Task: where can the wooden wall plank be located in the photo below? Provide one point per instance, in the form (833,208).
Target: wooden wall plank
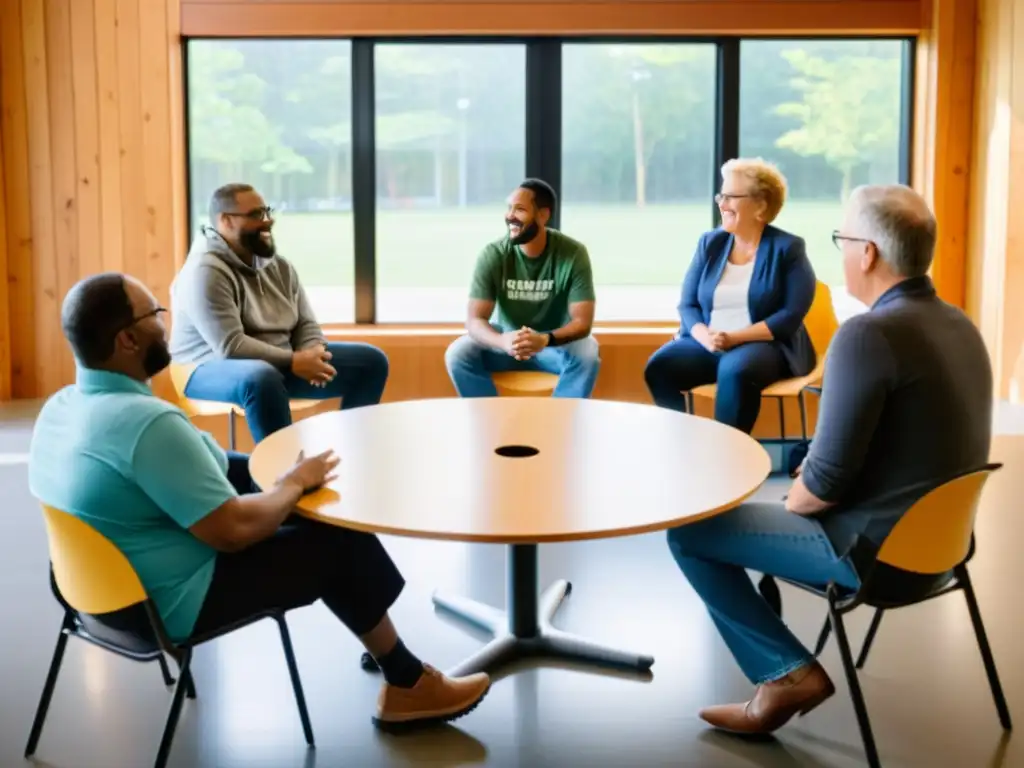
(178,170)
(5,326)
(45,287)
(108,87)
(60,70)
(129,63)
(758,17)
(19,206)
(87,137)
(156,136)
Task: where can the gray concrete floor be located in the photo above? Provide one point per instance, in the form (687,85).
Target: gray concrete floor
(924,683)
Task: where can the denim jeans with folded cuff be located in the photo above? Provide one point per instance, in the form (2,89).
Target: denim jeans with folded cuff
(714,554)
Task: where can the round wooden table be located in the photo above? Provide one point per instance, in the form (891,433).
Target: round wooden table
(519,471)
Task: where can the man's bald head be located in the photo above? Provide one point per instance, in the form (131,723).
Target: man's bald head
(898,221)
(112,322)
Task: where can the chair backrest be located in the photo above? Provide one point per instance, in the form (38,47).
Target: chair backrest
(934,535)
(180,374)
(821,321)
(92,574)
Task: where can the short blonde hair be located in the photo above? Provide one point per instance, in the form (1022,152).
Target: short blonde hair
(766,182)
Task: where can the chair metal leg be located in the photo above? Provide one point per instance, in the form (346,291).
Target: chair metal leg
(769,590)
(870,637)
(190,685)
(782,417)
(232,445)
(826,631)
(803,414)
(871,752)
(175,712)
(165,671)
(293,670)
(986,650)
(48,686)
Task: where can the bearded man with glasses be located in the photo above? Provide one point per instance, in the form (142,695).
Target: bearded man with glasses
(241,316)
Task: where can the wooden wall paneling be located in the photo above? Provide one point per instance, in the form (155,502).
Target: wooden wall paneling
(996,248)
(945,134)
(40,129)
(1011,342)
(108,87)
(87,138)
(19,207)
(63,125)
(129,63)
(753,17)
(176,120)
(5,327)
(158,263)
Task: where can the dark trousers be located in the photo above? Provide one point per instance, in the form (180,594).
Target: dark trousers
(304,561)
(741,374)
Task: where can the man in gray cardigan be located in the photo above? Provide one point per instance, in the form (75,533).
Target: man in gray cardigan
(906,406)
(241,316)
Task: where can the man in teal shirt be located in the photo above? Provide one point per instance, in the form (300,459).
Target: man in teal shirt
(209,548)
(531,304)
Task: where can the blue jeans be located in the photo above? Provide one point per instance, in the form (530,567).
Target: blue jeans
(470,365)
(264,390)
(713,555)
(740,374)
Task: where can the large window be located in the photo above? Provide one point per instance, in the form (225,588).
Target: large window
(277,114)
(638,148)
(828,113)
(450,135)
(389,162)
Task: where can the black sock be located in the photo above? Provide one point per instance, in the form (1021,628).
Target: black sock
(400,667)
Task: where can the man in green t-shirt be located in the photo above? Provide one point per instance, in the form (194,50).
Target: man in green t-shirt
(539,282)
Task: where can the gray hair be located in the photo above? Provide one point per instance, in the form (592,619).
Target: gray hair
(900,224)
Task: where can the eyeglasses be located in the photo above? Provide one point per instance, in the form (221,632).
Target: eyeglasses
(722,197)
(140,318)
(836,237)
(256,214)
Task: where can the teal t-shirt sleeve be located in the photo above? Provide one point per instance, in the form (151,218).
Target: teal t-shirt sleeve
(581,286)
(484,284)
(174,467)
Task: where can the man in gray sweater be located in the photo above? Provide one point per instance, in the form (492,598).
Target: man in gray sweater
(241,317)
(906,406)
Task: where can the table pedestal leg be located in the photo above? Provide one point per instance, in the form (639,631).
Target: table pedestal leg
(525,631)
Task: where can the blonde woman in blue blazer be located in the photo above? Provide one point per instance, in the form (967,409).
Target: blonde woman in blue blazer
(743,304)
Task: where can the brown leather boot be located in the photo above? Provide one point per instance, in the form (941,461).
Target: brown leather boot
(774,703)
(435,698)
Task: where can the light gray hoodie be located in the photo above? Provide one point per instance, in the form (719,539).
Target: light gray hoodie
(223,308)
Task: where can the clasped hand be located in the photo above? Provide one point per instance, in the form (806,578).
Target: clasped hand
(720,341)
(311,365)
(524,343)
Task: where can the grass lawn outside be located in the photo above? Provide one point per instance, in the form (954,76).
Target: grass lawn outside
(425,257)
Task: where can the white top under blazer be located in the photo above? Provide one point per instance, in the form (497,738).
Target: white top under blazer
(730,309)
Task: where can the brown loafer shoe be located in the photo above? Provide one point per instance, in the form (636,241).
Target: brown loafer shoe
(434,699)
(774,703)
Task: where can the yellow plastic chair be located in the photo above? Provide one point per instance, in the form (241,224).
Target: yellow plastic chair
(924,556)
(90,577)
(525,383)
(821,323)
(180,374)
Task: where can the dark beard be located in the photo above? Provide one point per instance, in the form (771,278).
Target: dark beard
(526,234)
(256,245)
(157,357)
